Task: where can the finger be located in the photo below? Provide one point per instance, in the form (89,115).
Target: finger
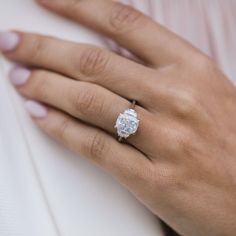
(122,161)
(129,27)
(85,63)
(88,102)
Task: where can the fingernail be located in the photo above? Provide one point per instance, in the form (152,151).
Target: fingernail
(36,110)
(8,41)
(19,76)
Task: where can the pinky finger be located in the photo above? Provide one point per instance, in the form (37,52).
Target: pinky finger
(121,160)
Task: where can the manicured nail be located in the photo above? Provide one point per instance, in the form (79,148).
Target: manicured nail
(8,41)
(36,110)
(19,76)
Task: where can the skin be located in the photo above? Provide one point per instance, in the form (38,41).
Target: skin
(182,161)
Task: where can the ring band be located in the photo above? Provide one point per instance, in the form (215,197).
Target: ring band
(127,122)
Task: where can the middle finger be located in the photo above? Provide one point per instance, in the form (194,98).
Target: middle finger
(85,63)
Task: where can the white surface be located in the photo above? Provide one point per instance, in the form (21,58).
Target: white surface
(44,189)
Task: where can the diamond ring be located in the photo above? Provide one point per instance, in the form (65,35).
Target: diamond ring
(127,123)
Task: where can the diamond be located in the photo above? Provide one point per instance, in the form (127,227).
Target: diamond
(127,123)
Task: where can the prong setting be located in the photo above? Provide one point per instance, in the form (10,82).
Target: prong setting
(127,123)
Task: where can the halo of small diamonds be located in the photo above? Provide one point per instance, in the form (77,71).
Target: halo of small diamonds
(127,123)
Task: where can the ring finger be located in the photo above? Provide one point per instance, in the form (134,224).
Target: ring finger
(88,102)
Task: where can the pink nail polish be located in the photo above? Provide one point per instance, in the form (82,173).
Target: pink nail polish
(36,110)
(8,41)
(19,76)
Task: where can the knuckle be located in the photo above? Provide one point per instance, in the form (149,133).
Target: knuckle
(62,129)
(87,102)
(38,45)
(186,104)
(97,146)
(84,102)
(39,84)
(125,18)
(201,64)
(93,61)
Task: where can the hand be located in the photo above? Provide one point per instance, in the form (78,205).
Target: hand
(182,161)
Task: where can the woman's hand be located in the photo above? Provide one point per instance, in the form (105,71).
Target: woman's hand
(181,163)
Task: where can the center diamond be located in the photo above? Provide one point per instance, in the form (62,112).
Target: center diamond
(127,123)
